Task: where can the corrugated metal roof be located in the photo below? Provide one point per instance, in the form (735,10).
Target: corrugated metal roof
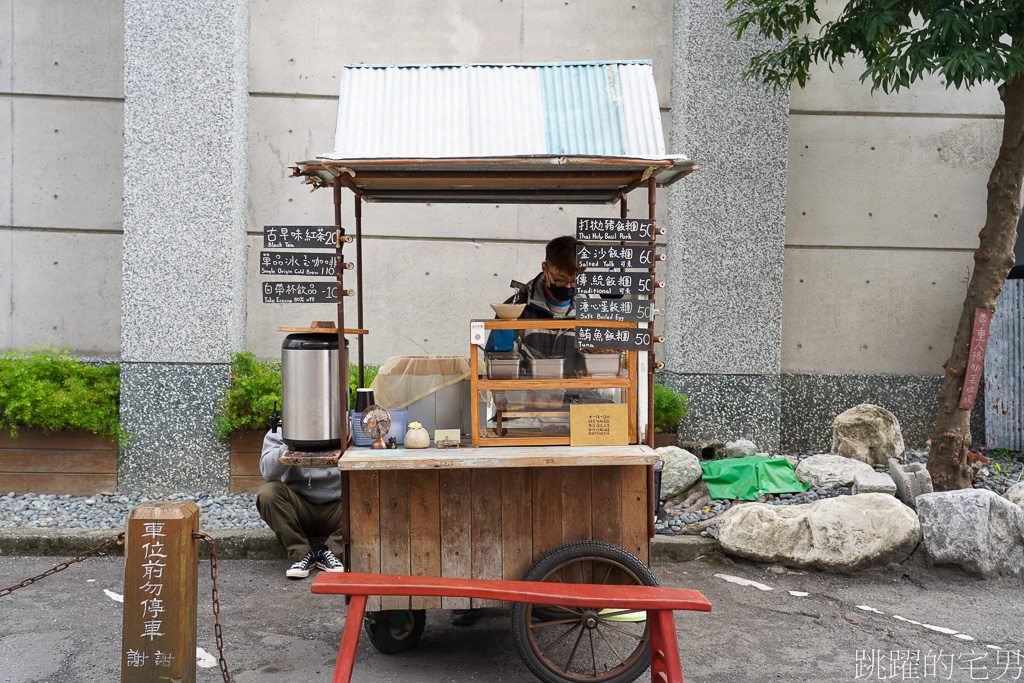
(438,111)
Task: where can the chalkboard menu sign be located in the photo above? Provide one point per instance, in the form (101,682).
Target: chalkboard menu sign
(613,256)
(619,310)
(304,263)
(299,236)
(300,292)
(614,283)
(614,229)
(613,338)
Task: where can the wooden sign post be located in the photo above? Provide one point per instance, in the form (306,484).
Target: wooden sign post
(161,578)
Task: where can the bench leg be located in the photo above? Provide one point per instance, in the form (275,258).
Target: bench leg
(665,664)
(350,640)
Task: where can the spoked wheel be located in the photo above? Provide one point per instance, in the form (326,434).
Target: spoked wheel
(394,631)
(575,644)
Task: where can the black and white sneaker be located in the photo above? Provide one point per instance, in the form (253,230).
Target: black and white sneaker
(328,561)
(300,569)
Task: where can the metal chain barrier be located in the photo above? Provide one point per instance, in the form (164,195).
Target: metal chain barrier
(119,539)
(216,603)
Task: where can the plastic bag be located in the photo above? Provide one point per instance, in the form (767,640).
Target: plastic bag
(403,380)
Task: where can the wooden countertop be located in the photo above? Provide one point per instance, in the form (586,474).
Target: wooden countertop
(471,458)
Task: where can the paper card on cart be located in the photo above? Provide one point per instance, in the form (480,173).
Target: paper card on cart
(601,424)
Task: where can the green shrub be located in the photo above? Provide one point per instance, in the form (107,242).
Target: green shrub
(45,388)
(255,386)
(669,408)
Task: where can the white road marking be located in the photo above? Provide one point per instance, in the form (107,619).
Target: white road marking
(205,659)
(116,597)
(993,647)
(798,594)
(90,580)
(744,582)
(870,609)
(962,636)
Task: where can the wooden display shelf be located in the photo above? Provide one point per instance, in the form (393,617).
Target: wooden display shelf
(569,383)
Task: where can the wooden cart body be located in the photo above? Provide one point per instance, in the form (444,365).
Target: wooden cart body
(489,513)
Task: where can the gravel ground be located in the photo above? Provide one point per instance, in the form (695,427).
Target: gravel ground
(238,510)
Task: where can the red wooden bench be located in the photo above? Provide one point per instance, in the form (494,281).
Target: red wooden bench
(657,602)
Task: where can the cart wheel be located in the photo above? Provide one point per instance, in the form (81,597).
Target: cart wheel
(574,644)
(394,631)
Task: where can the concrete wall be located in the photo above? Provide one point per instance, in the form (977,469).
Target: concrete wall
(61,164)
(428,269)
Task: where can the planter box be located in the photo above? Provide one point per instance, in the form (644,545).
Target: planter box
(75,463)
(665,439)
(245,462)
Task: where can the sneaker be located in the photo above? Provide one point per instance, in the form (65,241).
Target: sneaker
(300,569)
(327,561)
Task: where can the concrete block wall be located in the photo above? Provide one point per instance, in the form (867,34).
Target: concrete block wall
(61,167)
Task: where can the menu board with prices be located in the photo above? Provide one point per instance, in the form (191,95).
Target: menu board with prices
(614,283)
(618,310)
(613,338)
(614,256)
(299,236)
(614,229)
(304,263)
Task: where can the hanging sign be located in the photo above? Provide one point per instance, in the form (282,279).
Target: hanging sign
(613,338)
(615,229)
(300,292)
(615,256)
(299,236)
(614,283)
(620,310)
(976,359)
(305,263)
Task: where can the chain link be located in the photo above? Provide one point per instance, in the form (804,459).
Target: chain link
(216,603)
(119,539)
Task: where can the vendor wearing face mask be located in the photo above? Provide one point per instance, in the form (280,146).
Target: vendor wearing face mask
(549,295)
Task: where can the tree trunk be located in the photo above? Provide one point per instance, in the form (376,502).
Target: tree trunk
(948,461)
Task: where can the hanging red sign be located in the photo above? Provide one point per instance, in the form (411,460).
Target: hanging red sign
(976,359)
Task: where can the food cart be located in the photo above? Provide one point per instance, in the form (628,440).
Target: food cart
(542,504)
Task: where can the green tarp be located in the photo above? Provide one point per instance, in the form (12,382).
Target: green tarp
(750,478)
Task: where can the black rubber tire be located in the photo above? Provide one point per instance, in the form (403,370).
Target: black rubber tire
(394,631)
(569,563)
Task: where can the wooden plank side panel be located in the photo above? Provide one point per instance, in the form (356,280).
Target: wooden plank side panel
(425,531)
(606,503)
(58,461)
(58,483)
(487,543)
(245,464)
(63,441)
(394,532)
(364,513)
(516,523)
(634,511)
(247,442)
(237,484)
(576,516)
(456,531)
(547,509)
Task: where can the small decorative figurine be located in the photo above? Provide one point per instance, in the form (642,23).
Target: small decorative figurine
(417,436)
(393,443)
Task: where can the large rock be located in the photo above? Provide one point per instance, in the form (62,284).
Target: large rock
(873,482)
(830,471)
(868,433)
(973,529)
(911,480)
(682,470)
(1015,494)
(840,534)
(741,448)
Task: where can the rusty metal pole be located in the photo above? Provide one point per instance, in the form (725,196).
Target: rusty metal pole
(652,197)
(342,353)
(359,282)
(161,580)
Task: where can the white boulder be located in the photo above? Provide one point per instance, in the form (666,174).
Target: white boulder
(840,534)
(973,529)
(682,470)
(1015,494)
(829,471)
(741,448)
(868,433)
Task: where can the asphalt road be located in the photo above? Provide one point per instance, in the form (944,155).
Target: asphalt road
(921,624)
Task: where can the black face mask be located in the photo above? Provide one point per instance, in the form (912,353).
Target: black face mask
(561,293)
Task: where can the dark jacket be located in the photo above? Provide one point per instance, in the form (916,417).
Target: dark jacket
(559,343)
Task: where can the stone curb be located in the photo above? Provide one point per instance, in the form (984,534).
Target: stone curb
(260,544)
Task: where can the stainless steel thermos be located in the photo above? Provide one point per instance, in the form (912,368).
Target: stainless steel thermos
(310,396)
